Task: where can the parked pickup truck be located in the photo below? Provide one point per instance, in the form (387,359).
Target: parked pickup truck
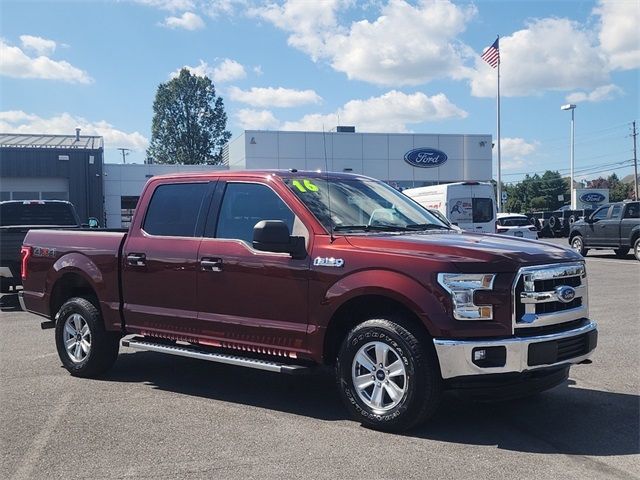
(285,271)
(614,226)
(16,218)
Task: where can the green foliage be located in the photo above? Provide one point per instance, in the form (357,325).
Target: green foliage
(537,193)
(618,191)
(189,122)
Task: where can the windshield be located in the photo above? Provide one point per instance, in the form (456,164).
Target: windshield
(357,204)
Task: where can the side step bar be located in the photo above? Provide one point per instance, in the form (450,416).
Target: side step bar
(192,352)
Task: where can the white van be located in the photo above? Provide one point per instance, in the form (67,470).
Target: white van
(469,205)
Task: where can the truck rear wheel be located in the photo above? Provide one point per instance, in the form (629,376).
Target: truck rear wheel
(387,377)
(85,348)
(636,248)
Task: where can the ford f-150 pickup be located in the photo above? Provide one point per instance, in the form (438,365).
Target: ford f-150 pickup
(286,271)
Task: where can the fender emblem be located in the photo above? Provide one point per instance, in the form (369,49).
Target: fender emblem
(328,262)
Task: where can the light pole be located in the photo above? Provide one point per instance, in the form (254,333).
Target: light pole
(571,107)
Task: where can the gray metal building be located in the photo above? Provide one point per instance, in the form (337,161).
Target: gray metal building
(54,167)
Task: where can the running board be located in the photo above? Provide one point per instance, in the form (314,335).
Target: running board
(184,351)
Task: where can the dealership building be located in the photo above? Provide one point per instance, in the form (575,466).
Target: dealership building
(72,167)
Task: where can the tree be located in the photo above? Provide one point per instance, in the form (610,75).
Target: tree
(537,193)
(189,122)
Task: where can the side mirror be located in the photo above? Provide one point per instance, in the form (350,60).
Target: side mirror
(274,236)
(93,222)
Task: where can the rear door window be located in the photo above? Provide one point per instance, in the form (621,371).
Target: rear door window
(615,212)
(482,210)
(632,211)
(174,210)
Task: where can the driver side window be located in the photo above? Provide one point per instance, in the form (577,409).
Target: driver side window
(244,205)
(601,214)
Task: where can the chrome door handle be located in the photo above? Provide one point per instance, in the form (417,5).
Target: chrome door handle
(137,259)
(211,264)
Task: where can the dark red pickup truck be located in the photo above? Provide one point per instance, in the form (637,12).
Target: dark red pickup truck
(285,271)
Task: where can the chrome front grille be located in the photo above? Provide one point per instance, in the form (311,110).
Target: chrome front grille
(548,295)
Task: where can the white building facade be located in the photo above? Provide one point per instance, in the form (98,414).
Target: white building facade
(402,160)
(378,155)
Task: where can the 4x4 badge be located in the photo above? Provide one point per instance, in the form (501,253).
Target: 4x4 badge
(328,262)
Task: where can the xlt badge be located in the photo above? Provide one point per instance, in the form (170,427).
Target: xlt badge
(328,262)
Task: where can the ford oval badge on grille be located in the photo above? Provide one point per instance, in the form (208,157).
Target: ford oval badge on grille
(565,293)
(425,157)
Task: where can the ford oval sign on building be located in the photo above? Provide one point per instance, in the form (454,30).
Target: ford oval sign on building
(592,197)
(425,157)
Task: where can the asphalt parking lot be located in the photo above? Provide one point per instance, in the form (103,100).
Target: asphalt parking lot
(157,416)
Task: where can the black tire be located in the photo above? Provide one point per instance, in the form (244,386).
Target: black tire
(422,384)
(636,248)
(552,222)
(577,244)
(103,345)
(572,219)
(621,252)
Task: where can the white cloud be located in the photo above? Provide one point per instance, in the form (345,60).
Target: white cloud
(310,23)
(170,5)
(249,119)
(620,32)
(226,71)
(15,121)
(39,45)
(258,70)
(514,152)
(605,92)
(15,63)
(274,97)
(188,21)
(406,45)
(391,112)
(550,54)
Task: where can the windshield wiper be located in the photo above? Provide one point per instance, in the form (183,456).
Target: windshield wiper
(369,228)
(426,226)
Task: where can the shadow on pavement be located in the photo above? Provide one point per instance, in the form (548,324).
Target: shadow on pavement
(565,420)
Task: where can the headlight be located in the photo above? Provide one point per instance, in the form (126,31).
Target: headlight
(461,287)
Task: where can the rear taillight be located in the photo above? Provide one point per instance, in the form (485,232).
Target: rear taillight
(533,229)
(25,253)
(502,230)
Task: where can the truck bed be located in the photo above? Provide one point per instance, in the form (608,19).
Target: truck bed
(63,252)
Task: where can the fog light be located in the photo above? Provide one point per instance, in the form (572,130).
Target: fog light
(479,355)
(489,357)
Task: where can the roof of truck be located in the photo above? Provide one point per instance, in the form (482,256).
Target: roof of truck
(291,173)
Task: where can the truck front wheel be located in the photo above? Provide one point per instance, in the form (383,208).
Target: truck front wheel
(578,245)
(387,377)
(636,248)
(85,348)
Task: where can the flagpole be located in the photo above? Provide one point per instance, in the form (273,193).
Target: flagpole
(498,131)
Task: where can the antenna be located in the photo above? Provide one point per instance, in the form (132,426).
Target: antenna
(326,172)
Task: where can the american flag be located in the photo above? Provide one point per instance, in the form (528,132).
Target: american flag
(492,54)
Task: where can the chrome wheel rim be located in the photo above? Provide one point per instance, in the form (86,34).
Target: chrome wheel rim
(379,376)
(77,337)
(577,245)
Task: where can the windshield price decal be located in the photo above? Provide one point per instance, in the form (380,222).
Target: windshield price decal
(305,185)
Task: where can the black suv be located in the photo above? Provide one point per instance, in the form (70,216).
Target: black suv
(614,226)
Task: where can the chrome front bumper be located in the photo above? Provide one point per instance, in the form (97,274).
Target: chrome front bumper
(456,356)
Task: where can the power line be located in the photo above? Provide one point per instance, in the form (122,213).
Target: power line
(585,167)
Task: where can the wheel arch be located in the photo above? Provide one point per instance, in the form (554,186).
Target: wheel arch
(361,308)
(68,285)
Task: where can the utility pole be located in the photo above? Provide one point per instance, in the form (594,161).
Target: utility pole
(635,161)
(125,152)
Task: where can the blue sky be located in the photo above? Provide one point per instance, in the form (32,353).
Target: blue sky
(383,66)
